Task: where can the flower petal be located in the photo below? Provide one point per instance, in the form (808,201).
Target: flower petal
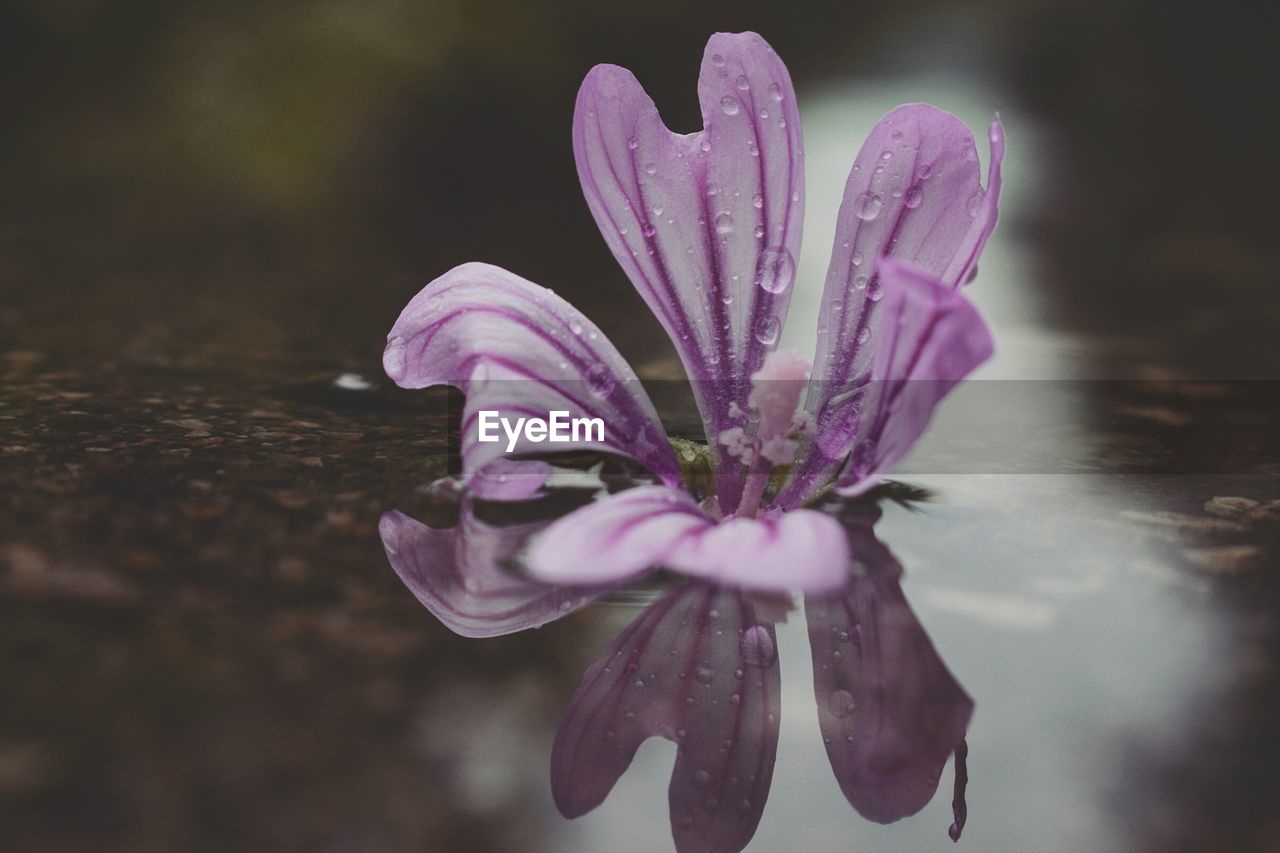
(654,526)
(517,348)
(889,710)
(802,549)
(914,195)
(698,667)
(615,538)
(931,338)
(706,225)
(509,479)
(457,574)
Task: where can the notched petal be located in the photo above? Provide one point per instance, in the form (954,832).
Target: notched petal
(706,225)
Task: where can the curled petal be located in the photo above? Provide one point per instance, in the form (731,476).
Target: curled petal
(654,526)
(706,225)
(698,667)
(615,538)
(457,574)
(889,711)
(801,549)
(931,338)
(914,196)
(518,349)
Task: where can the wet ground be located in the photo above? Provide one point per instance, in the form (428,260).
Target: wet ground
(210,221)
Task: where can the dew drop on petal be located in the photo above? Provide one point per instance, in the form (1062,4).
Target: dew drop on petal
(913,197)
(975,202)
(757,200)
(842,703)
(775,91)
(730,105)
(756,646)
(651,168)
(633,143)
(742,83)
(874,291)
(896,136)
(724,223)
(776,271)
(600,380)
(767,330)
(867,206)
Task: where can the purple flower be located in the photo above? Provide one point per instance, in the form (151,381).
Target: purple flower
(707,227)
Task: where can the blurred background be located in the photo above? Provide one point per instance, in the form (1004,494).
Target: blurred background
(210,215)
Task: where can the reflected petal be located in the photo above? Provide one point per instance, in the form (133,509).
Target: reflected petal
(699,668)
(457,573)
(706,225)
(889,710)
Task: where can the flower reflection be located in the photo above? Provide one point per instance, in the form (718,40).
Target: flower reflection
(699,667)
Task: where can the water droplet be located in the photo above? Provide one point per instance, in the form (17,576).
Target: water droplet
(757,200)
(651,168)
(730,105)
(768,328)
(717,59)
(913,197)
(855,258)
(742,83)
(842,703)
(393,359)
(975,203)
(600,380)
(648,229)
(775,91)
(874,291)
(704,675)
(724,223)
(701,779)
(925,171)
(867,206)
(886,155)
(864,335)
(575,325)
(639,684)
(657,210)
(633,143)
(757,647)
(896,136)
(735,699)
(860,282)
(706,145)
(776,271)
